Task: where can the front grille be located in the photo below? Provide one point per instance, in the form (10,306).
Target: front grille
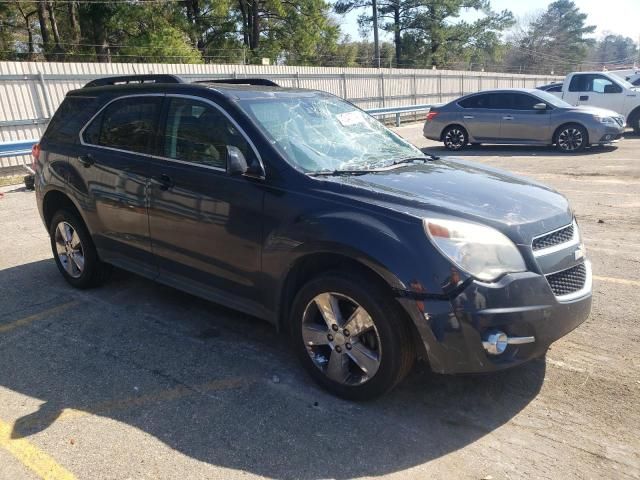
(568,281)
(619,121)
(554,238)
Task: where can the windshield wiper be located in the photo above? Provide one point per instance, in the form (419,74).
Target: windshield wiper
(427,158)
(339,173)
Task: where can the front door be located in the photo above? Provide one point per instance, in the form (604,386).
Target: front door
(205,224)
(521,123)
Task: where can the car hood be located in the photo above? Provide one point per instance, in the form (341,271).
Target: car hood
(519,207)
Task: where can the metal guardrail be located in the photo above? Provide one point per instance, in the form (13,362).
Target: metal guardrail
(398,111)
(14,149)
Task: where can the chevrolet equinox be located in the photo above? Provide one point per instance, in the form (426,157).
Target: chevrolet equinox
(294,206)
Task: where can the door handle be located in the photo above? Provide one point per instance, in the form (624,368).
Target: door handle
(468,117)
(507,117)
(584,98)
(87,160)
(165,181)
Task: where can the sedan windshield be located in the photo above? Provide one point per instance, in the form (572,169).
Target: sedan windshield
(320,132)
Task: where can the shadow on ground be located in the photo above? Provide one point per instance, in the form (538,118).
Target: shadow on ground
(222,387)
(514,151)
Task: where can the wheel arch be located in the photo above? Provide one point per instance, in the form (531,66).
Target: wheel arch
(454,124)
(55,200)
(634,116)
(556,132)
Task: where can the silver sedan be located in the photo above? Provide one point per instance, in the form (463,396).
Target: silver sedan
(521,116)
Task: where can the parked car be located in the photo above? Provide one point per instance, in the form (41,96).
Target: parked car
(551,88)
(297,207)
(521,116)
(604,90)
(634,80)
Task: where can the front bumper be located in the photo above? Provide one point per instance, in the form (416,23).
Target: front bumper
(520,305)
(603,134)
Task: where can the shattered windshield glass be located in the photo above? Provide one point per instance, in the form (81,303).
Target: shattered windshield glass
(323,133)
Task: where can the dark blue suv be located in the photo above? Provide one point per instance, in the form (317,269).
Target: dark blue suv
(297,207)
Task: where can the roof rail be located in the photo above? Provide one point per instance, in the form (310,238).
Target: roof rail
(241,81)
(124,79)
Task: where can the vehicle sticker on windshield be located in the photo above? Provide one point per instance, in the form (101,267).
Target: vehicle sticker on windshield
(348,119)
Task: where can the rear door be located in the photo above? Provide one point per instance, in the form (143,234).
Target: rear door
(205,225)
(109,176)
(479,118)
(521,123)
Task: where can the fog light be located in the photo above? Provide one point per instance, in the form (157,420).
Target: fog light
(607,137)
(495,342)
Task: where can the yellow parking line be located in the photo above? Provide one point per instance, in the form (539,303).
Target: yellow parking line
(31,456)
(622,281)
(36,316)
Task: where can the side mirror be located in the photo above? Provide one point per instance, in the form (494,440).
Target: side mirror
(540,106)
(236,161)
(237,164)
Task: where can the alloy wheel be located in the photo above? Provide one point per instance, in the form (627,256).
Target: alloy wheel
(69,249)
(454,139)
(570,139)
(341,338)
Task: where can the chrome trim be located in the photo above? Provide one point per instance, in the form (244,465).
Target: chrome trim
(158,157)
(520,340)
(584,291)
(561,246)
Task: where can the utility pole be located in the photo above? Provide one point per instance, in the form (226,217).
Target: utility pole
(376,45)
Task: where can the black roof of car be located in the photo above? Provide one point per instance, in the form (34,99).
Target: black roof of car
(239,88)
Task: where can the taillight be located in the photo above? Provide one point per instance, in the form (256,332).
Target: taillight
(35,153)
(431,116)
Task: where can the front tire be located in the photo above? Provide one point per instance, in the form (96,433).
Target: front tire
(455,138)
(351,336)
(74,252)
(571,138)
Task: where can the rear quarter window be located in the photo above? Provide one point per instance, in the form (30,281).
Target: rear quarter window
(70,117)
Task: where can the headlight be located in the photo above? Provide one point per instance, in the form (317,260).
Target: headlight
(605,120)
(481,251)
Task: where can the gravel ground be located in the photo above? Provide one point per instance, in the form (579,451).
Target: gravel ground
(138,381)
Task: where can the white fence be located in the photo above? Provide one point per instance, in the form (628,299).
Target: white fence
(30,92)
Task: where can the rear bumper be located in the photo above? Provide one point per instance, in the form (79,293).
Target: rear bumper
(521,305)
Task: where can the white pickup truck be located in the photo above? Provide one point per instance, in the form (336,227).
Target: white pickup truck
(604,90)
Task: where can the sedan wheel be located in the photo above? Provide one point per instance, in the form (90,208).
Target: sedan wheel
(571,139)
(69,249)
(455,138)
(341,339)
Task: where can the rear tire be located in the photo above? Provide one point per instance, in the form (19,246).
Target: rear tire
(455,138)
(357,356)
(571,138)
(634,122)
(74,251)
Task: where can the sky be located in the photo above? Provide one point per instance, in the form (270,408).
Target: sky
(616,16)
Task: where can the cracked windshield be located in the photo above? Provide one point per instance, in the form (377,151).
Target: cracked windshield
(323,133)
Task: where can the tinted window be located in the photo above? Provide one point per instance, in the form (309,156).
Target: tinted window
(557,88)
(126,124)
(199,133)
(593,83)
(636,82)
(477,101)
(521,101)
(69,119)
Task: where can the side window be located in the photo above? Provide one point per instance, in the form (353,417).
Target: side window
(636,82)
(199,133)
(70,117)
(126,124)
(476,101)
(500,101)
(580,83)
(522,101)
(604,85)
(557,88)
